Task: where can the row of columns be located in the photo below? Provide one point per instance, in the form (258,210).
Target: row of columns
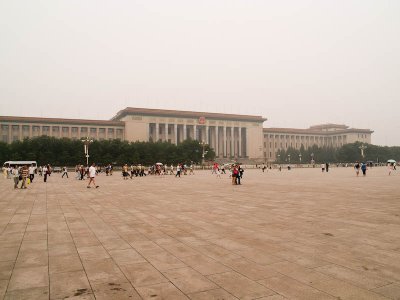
(205,136)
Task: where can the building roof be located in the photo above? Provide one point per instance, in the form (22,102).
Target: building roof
(311,130)
(185,114)
(60,121)
(329,126)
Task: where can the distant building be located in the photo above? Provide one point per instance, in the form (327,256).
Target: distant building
(325,135)
(231,136)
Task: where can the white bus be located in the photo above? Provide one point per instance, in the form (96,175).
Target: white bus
(20,163)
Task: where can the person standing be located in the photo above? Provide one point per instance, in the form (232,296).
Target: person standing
(31,171)
(327,167)
(65,172)
(92,176)
(323,167)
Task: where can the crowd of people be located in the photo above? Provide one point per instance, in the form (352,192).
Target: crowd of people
(24,175)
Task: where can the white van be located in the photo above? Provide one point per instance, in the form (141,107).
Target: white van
(20,163)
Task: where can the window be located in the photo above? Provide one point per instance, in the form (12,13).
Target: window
(83,130)
(25,128)
(4,127)
(74,129)
(93,130)
(35,128)
(270,154)
(56,129)
(102,130)
(265,145)
(15,127)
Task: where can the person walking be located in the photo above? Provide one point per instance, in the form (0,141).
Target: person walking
(92,176)
(357,168)
(178,170)
(65,172)
(24,174)
(390,168)
(45,171)
(15,175)
(364,168)
(125,173)
(31,171)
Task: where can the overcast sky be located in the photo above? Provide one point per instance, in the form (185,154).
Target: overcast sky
(297,63)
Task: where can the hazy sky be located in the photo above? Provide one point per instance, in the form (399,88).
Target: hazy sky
(297,63)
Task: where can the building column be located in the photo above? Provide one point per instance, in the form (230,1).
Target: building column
(30,131)
(166,132)
(240,141)
(184,132)
(9,134)
(176,133)
(195,132)
(224,140)
(157,131)
(207,136)
(216,141)
(232,141)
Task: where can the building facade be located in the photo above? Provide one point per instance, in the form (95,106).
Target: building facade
(231,136)
(325,135)
(18,128)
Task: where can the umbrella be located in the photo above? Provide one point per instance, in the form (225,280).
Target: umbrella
(392,161)
(160,164)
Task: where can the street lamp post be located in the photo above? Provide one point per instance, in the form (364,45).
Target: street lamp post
(288,158)
(203,154)
(300,157)
(86,142)
(362,148)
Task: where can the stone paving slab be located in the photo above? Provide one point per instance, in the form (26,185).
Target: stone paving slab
(299,234)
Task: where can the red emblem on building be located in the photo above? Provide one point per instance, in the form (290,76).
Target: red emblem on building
(202,120)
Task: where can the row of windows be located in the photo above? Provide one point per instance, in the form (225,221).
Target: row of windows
(56,129)
(302,137)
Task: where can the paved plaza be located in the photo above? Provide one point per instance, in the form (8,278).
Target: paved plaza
(299,234)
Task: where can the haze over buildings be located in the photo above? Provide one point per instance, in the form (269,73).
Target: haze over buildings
(298,63)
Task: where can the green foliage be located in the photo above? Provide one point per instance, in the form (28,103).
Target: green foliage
(70,152)
(345,154)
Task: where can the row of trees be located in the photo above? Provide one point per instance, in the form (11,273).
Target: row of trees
(345,154)
(71,152)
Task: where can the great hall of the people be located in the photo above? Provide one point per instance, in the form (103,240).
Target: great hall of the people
(230,135)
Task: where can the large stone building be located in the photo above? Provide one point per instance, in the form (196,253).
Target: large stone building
(230,135)
(325,135)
